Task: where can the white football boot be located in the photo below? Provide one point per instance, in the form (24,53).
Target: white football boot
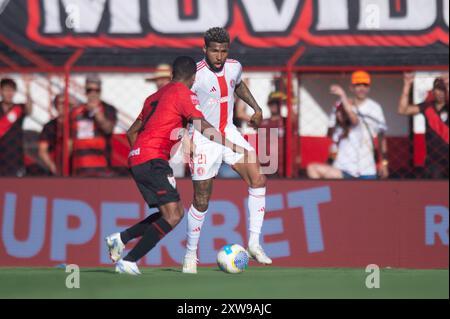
(115,246)
(258,254)
(190,264)
(127,267)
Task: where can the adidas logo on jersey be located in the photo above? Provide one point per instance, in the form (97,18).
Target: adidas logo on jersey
(213,90)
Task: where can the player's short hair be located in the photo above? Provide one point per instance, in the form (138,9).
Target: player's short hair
(184,67)
(219,35)
(8,82)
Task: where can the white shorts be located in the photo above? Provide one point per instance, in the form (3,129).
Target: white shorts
(209,156)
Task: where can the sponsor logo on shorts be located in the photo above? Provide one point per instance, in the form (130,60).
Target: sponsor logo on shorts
(135,152)
(172,181)
(3,4)
(232,83)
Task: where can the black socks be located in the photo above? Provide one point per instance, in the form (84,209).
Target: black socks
(152,235)
(138,229)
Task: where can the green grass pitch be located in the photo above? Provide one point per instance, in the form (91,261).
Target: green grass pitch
(210,283)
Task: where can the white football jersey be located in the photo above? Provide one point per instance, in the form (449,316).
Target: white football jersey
(216,92)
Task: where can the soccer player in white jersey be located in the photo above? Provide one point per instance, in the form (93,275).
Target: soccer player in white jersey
(218,79)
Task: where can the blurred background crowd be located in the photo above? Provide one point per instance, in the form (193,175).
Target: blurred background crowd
(351,125)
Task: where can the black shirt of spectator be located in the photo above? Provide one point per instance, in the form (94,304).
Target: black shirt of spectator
(11,141)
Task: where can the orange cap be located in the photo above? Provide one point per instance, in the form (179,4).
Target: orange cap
(361,77)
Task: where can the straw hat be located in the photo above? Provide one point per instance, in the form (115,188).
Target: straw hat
(162,71)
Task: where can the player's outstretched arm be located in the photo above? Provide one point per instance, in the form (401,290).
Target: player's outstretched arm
(243,92)
(133,132)
(211,133)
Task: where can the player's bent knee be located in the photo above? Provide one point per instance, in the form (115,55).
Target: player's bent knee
(311,170)
(259,182)
(201,202)
(175,218)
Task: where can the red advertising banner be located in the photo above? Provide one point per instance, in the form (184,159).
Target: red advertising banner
(45,222)
(333,32)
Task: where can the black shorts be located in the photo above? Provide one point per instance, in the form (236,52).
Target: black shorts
(156,182)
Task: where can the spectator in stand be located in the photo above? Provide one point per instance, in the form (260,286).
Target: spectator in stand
(162,76)
(11,131)
(276,121)
(435,111)
(92,125)
(355,124)
(50,146)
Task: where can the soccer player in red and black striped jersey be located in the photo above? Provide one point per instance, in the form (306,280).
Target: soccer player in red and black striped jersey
(11,131)
(435,111)
(151,139)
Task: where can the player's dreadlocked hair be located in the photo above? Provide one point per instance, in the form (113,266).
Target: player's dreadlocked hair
(219,35)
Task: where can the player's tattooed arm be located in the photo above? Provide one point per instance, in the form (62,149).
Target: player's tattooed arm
(243,92)
(133,132)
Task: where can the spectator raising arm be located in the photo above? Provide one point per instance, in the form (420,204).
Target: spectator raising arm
(383,170)
(339,91)
(29,102)
(106,125)
(404,106)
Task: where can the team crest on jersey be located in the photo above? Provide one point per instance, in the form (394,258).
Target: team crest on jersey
(232,84)
(195,100)
(135,152)
(172,181)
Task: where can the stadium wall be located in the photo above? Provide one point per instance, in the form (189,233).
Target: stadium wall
(46,222)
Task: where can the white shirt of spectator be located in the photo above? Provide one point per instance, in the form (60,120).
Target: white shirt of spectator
(355,154)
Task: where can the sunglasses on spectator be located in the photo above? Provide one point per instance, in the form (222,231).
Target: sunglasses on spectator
(90,90)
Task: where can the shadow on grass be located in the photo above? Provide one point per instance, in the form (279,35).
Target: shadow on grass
(174,270)
(104,271)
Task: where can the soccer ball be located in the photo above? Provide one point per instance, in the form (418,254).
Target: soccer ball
(232,259)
